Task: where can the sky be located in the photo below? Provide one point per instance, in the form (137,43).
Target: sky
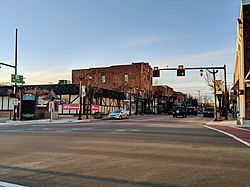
(56,36)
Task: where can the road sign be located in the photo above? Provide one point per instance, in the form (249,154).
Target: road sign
(83,91)
(17,78)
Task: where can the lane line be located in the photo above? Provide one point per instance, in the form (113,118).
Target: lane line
(121,130)
(228,134)
(7,184)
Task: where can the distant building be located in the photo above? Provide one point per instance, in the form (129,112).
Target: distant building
(164,97)
(242,65)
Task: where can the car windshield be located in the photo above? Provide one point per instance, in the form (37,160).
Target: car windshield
(116,111)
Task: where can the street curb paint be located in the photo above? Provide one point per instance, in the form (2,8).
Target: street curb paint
(228,134)
(6,184)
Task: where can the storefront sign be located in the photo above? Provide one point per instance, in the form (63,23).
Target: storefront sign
(95,107)
(74,106)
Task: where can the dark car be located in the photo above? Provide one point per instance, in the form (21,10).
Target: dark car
(208,112)
(179,111)
(191,111)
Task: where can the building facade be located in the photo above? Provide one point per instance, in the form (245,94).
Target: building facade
(134,79)
(242,65)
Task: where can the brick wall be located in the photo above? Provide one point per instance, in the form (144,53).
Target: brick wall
(246,30)
(139,76)
(163,90)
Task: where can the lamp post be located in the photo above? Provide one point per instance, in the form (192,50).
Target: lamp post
(88,94)
(130,101)
(80,94)
(81,78)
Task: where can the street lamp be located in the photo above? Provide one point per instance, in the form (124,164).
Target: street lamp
(130,100)
(88,91)
(81,95)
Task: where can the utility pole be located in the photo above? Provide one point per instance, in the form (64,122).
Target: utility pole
(225,94)
(15,88)
(215,106)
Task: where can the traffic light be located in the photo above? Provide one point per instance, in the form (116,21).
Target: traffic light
(156,72)
(180,71)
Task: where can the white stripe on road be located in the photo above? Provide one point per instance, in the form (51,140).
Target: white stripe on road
(127,130)
(7,184)
(121,130)
(228,134)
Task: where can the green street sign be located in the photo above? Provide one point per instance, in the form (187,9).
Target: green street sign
(17,79)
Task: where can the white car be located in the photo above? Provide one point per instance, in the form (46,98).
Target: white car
(118,114)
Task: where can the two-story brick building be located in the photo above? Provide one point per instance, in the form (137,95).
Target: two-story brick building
(135,79)
(242,64)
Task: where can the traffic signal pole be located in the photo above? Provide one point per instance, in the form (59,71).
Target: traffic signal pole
(213,68)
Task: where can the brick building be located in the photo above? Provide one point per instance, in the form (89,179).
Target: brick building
(120,77)
(135,79)
(242,64)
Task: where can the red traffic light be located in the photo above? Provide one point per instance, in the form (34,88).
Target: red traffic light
(180,67)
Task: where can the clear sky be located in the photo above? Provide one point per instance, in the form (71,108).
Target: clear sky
(56,36)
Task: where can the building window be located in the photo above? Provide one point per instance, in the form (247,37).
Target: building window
(126,77)
(103,78)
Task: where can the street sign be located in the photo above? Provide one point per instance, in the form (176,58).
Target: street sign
(74,106)
(17,78)
(15,102)
(83,91)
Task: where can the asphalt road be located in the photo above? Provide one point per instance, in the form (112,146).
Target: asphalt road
(143,151)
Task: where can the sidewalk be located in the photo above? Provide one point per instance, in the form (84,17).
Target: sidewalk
(230,128)
(62,119)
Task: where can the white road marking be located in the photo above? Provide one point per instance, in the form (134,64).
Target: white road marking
(228,134)
(88,128)
(127,130)
(7,184)
(135,130)
(240,128)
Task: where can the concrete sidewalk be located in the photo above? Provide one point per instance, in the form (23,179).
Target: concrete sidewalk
(43,121)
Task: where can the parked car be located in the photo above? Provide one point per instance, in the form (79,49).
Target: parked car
(179,111)
(118,114)
(208,112)
(191,111)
